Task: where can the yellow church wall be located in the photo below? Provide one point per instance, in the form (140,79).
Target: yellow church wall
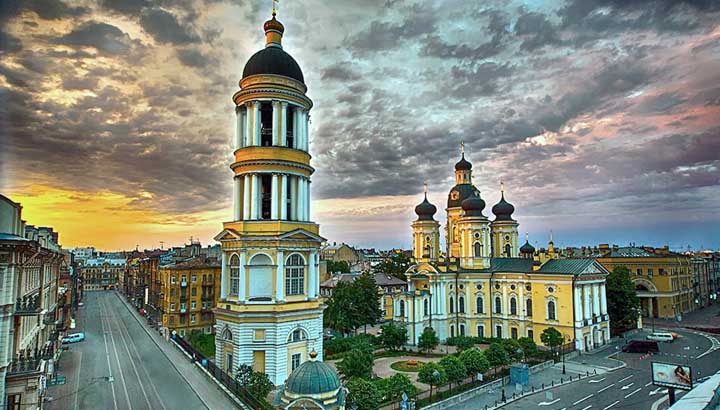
(270,227)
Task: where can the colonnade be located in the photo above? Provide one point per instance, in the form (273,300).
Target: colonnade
(285,189)
(589,300)
(249,130)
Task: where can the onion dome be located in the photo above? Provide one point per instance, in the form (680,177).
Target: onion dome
(503,210)
(463,164)
(273,59)
(527,249)
(473,206)
(459,193)
(425,211)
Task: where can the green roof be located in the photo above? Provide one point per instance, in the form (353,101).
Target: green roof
(312,377)
(570,266)
(511,265)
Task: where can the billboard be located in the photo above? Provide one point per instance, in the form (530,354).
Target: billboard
(672,375)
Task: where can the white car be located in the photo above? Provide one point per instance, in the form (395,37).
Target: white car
(661,337)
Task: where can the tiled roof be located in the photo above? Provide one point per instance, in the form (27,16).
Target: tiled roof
(569,266)
(512,265)
(381,279)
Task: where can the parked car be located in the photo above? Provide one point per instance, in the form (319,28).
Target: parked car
(74,337)
(641,346)
(661,337)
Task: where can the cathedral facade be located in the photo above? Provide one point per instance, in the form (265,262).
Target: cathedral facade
(269,315)
(485,284)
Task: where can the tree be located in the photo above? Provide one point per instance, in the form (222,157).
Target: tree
(454,368)
(551,338)
(363,395)
(622,301)
(243,374)
(338,267)
(398,384)
(393,336)
(528,346)
(259,385)
(432,374)
(395,265)
(463,342)
(356,363)
(496,356)
(428,340)
(367,292)
(344,311)
(475,361)
(512,348)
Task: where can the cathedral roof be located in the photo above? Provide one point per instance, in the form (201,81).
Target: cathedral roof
(425,210)
(312,377)
(463,164)
(527,248)
(473,205)
(273,60)
(503,210)
(459,193)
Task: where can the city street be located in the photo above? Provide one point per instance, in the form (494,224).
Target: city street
(630,387)
(119,366)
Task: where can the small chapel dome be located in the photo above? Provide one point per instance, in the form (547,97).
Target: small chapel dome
(273,59)
(474,205)
(503,210)
(425,210)
(463,164)
(313,382)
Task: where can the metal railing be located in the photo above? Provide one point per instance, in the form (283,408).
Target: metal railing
(27,305)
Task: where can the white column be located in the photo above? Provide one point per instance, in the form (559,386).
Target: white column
(274,197)
(280,277)
(301,130)
(296,124)
(301,199)
(313,280)
(256,123)
(249,115)
(505,306)
(283,124)
(603,300)
(596,299)
(236,199)
(293,197)
(243,280)
(246,197)
(283,197)
(586,301)
(577,303)
(223,277)
(254,195)
(306,132)
(238,128)
(275,122)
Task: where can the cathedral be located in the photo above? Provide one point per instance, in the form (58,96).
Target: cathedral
(485,284)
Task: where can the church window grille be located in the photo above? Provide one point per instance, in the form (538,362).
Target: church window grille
(234,275)
(295,276)
(297,335)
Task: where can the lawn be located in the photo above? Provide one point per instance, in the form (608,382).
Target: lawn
(202,342)
(404,366)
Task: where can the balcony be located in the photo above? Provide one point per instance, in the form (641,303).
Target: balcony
(28,306)
(26,363)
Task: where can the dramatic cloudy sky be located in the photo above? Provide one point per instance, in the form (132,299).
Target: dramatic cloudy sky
(602,116)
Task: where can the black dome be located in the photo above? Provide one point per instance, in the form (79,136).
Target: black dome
(473,206)
(527,248)
(425,211)
(273,60)
(503,210)
(463,164)
(460,193)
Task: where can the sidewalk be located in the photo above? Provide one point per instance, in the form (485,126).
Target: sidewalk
(707,317)
(64,396)
(208,392)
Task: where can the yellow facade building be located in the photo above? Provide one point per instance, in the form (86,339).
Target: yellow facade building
(489,286)
(269,315)
(189,292)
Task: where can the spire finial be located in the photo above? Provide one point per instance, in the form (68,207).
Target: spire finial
(274,7)
(462,147)
(551,236)
(425,189)
(502,186)
(527,237)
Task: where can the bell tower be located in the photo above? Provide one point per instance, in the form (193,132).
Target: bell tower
(269,315)
(426,232)
(504,228)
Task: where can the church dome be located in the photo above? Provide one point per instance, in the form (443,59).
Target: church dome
(459,193)
(425,211)
(273,59)
(527,248)
(473,206)
(463,164)
(503,210)
(312,378)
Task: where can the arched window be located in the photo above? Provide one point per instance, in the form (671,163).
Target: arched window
(295,275)
(452,304)
(480,305)
(498,304)
(426,307)
(227,334)
(513,306)
(297,335)
(462,330)
(528,307)
(551,310)
(478,250)
(507,250)
(452,331)
(402,308)
(461,304)
(234,275)
(498,331)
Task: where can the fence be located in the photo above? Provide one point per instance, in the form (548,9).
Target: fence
(221,376)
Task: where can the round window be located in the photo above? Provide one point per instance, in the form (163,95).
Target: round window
(497,286)
(477,235)
(479,287)
(527,287)
(462,287)
(551,289)
(507,237)
(451,286)
(512,287)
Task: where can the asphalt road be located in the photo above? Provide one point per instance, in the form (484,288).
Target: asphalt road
(120,367)
(630,387)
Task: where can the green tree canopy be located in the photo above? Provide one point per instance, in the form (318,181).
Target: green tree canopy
(551,338)
(622,301)
(367,292)
(512,348)
(395,265)
(428,340)
(475,361)
(454,368)
(243,373)
(363,395)
(353,304)
(396,385)
(528,346)
(393,336)
(432,374)
(356,363)
(259,385)
(496,355)
(338,267)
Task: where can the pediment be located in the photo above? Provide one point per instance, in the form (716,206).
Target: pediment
(302,235)
(227,235)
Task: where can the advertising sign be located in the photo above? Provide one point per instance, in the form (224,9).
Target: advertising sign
(672,375)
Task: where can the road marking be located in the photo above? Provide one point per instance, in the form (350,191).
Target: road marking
(627,386)
(107,356)
(605,388)
(648,383)
(633,392)
(77,385)
(582,400)
(616,402)
(586,408)
(625,378)
(103,313)
(597,381)
(658,390)
(548,403)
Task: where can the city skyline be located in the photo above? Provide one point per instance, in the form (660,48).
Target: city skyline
(117,123)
